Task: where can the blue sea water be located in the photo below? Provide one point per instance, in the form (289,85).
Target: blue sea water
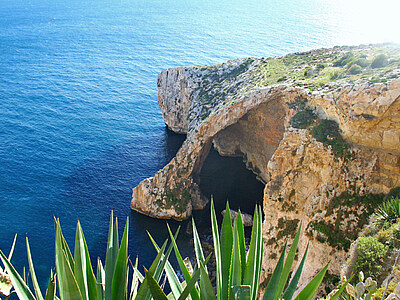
(79,120)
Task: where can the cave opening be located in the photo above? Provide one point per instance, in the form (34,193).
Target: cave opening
(226,178)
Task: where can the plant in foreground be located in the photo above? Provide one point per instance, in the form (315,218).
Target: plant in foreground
(75,276)
(237,272)
(388,212)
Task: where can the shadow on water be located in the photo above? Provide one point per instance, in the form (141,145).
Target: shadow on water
(227,179)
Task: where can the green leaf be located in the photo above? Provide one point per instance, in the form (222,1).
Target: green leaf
(217,249)
(120,274)
(240,292)
(236,259)
(111,255)
(135,280)
(12,247)
(176,286)
(22,290)
(67,284)
(144,287)
(197,245)
(341,289)
(100,277)
(311,288)
(51,287)
(190,285)
(272,288)
(155,289)
(254,257)
(83,270)
(206,288)
(288,264)
(226,253)
(259,254)
(164,259)
(242,244)
(185,272)
(64,244)
(36,287)
(295,280)
(250,271)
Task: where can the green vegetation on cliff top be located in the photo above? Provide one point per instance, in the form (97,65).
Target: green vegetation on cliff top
(314,69)
(322,70)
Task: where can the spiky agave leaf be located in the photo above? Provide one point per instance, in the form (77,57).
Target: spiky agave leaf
(217,249)
(111,255)
(226,244)
(120,276)
(21,288)
(388,212)
(194,293)
(35,283)
(67,285)
(51,287)
(254,256)
(83,270)
(175,284)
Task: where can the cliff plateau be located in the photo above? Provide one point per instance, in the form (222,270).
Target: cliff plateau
(320,129)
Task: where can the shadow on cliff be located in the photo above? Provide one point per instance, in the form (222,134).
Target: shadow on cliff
(226,178)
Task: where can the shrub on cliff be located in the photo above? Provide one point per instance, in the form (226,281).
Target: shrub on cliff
(344,60)
(362,62)
(370,255)
(379,61)
(354,70)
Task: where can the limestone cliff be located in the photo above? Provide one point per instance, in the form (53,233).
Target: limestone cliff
(321,129)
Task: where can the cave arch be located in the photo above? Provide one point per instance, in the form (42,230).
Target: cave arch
(234,167)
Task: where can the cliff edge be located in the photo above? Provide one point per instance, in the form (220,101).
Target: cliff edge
(320,129)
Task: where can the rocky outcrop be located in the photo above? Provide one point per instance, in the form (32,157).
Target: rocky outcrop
(322,135)
(247,219)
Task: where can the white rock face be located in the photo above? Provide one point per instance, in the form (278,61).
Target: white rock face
(174,98)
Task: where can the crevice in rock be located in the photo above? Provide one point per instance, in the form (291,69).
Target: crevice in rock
(198,164)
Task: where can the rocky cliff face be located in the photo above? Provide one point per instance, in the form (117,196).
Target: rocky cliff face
(320,129)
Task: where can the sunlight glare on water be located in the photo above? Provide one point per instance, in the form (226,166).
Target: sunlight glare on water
(364,21)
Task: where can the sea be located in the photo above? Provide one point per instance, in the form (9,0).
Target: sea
(79,119)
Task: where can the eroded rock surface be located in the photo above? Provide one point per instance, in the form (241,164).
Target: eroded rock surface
(323,138)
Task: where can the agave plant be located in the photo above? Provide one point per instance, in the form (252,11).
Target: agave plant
(238,272)
(388,212)
(75,276)
(280,278)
